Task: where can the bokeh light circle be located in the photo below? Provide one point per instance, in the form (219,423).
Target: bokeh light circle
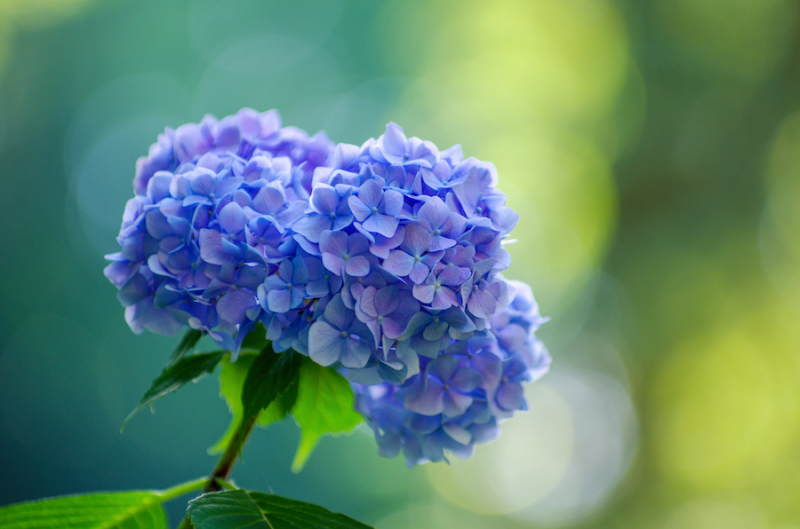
(780,239)
(520,468)
(435,515)
(119,101)
(780,221)
(513,61)
(606,440)
(109,131)
(554,464)
(564,192)
(724,407)
(102,187)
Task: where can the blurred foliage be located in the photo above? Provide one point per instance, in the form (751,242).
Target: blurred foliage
(652,150)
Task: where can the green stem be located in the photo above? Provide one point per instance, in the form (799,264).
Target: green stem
(227,485)
(224,465)
(179,490)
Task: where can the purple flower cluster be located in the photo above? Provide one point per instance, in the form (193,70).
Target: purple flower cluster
(210,220)
(461,393)
(382,260)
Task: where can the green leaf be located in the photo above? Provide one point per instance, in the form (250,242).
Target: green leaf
(106,510)
(324,406)
(280,407)
(186,344)
(231,382)
(177,375)
(256,339)
(235,509)
(269,377)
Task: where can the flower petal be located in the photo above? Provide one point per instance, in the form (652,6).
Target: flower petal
(465,380)
(434,212)
(232,218)
(424,293)
(394,141)
(392,202)
(360,210)
(279,301)
(383,245)
(233,305)
(333,242)
(419,272)
(324,199)
(482,304)
(134,291)
(211,249)
(417,240)
(312,225)
(443,367)
(370,194)
(324,343)
(269,200)
(387,300)
(357,266)
(367,303)
(334,263)
(458,434)
(337,314)
(418,321)
(383,224)
(355,353)
(357,244)
(510,396)
(425,396)
(435,330)
(398,263)
(455,403)
(490,369)
(444,299)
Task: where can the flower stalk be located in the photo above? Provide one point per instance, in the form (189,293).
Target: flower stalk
(225,464)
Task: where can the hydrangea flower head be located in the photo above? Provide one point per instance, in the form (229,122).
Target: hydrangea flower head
(460,396)
(384,261)
(209,221)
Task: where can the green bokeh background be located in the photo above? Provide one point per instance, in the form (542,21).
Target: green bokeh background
(651,148)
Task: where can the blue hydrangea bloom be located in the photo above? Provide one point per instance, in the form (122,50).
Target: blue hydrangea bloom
(209,223)
(383,261)
(460,396)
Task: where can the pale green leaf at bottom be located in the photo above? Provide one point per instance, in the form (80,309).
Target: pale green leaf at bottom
(105,510)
